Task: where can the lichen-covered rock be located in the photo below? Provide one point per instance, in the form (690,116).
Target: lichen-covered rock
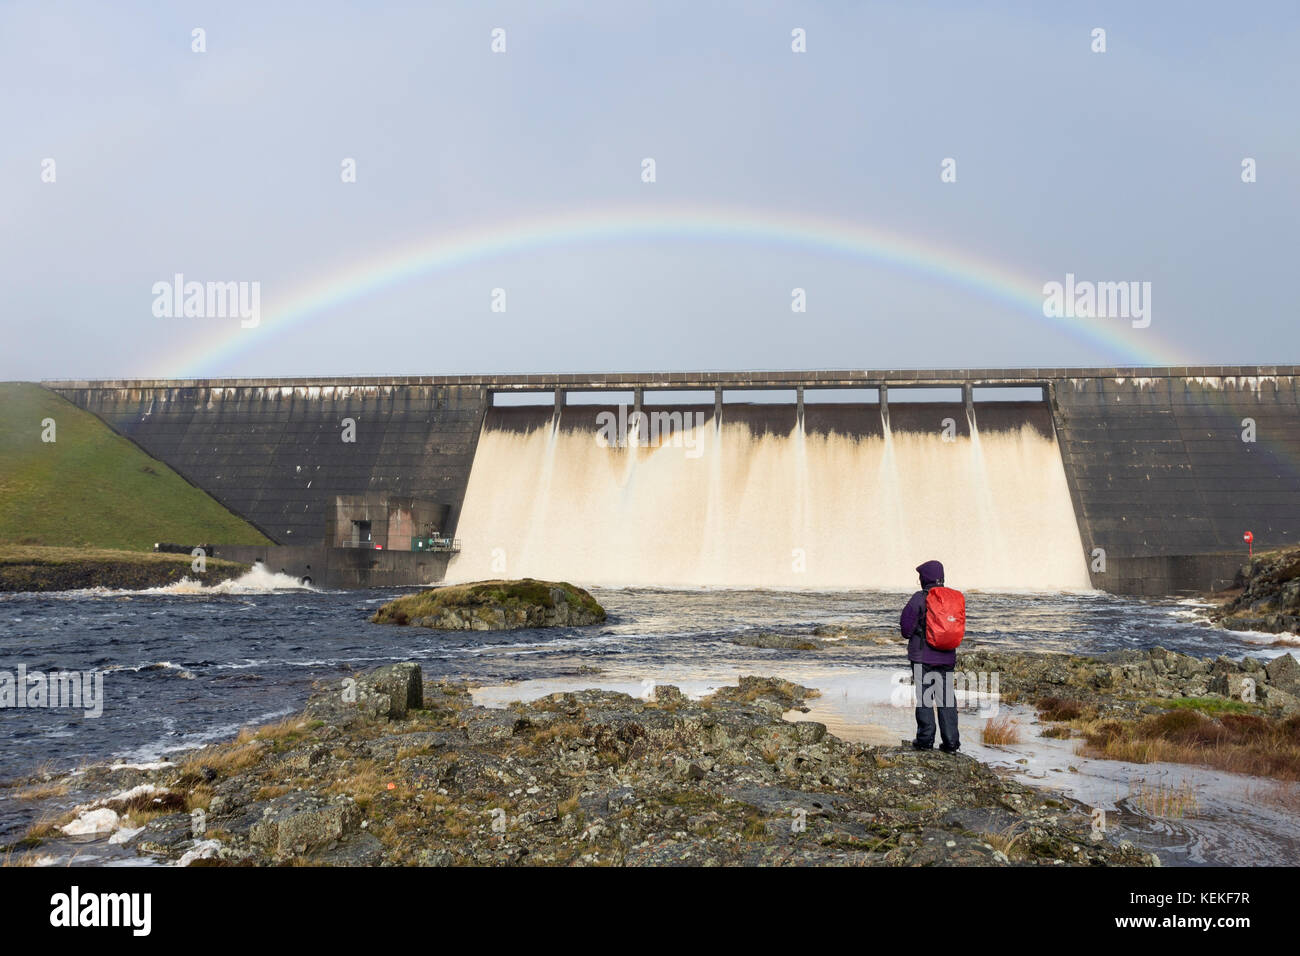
(299,823)
(1284,673)
(402,684)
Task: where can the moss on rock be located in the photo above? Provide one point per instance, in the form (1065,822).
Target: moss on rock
(494,606)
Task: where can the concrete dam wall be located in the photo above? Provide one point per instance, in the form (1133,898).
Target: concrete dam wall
(279,453)
(1163,469)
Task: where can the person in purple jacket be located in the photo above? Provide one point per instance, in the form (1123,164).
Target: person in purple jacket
(931,670)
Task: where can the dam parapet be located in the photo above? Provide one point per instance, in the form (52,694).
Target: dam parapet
(1164,468)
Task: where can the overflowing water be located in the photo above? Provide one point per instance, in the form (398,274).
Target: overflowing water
(725,506)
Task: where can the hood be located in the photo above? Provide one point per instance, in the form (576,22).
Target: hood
(931,573)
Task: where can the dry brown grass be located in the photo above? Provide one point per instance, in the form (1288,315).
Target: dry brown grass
(25,858)
(45,827)
(42,791)
(1238,743)
(1000,731)
(225,759)
(245,750)
(1008,841)
(290,728)
(1057,708)
(363,782)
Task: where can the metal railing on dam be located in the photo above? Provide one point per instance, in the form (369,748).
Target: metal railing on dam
(1167,467)
(820,378)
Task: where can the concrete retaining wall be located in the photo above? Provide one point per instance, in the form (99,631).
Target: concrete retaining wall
(1163,481)
(343,567)
(275,454)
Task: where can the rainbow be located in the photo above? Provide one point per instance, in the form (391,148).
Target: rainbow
(282,314)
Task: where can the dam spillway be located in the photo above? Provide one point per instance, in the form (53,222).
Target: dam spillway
(1164,469)
(754,497)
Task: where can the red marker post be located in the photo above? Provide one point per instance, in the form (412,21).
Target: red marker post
(1250,543)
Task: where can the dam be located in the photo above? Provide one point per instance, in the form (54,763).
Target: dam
(1128,480)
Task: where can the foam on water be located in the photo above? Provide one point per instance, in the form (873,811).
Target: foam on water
(257,580)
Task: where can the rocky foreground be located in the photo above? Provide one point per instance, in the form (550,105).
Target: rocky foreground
(389,770)
(494,606)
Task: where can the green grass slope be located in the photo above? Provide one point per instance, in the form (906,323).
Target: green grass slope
(93,488)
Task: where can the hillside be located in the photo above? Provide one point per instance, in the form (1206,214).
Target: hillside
(93,488)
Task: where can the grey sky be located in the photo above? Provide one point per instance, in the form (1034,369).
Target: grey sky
(225,166)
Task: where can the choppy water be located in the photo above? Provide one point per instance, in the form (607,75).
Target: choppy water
(183,666)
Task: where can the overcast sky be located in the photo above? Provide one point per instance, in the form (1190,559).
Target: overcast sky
(226,165)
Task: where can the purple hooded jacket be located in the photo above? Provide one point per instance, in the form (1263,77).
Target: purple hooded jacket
(918,651)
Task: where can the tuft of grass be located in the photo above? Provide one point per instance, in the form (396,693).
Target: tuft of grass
(224,759)
(1000,731)
(565,807)
(1159,800)
(363,782)
(42,791)
(1008,841)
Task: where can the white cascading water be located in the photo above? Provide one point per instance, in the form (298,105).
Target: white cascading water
(727,508)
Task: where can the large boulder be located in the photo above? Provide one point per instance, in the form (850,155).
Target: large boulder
(1284,673)
(297,824)
(385,693)
(494,606)
(402,684)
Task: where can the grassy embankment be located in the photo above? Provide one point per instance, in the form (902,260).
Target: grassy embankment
(85,509)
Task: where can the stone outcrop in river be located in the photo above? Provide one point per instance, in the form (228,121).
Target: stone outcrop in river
(389,770)
(494,606)
(1129,683)
(1270,595)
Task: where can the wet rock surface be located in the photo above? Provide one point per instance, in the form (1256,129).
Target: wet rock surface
(592,777)
(1270,596)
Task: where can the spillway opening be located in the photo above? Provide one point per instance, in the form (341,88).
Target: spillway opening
(701,491)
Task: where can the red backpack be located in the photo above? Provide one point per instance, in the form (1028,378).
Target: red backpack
(945,618)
